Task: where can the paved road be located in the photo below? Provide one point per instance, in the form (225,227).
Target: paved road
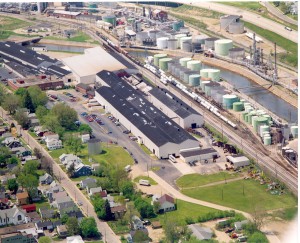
(250,17)
(107,234)
(275,11)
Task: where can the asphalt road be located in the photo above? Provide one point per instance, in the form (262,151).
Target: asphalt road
(250,17)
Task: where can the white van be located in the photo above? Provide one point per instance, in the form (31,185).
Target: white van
(127,168)
(144,182)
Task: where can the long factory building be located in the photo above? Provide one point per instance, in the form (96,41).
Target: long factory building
(183,114)
(160,134)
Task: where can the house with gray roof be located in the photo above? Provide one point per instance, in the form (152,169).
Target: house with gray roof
(46,179)
(201,233)
(87,182)
(13,216)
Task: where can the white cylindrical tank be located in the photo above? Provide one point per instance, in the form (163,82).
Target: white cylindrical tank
(222,47)
(162,42)
(184,30)
(210,43)
(183,61)
(178,37)
(236,28)
(186,46)
(200,39)
(185,39)
(194,65)
(214,74)
(172,44)
(236,53)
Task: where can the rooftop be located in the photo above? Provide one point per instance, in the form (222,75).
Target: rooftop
(190,153)
(173,102)
(16,228)
(140,112)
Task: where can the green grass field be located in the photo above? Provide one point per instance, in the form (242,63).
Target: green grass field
(233,196)
(194,180)
(9,23)
(111,154)
(79,37)
(185,210)
(152,182)
(291,47)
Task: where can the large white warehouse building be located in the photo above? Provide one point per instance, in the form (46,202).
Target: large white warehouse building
(84,67)
(184,115)
(161,135)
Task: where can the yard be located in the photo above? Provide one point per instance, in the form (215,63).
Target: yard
(243,195)
(152,182)
(79,37)
(42,204)
(185,210)
(111,154)
(194,180)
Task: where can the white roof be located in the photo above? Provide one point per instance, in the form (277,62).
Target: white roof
(66,12)
(130,32)
(237,159)
(93,61)
(75,239)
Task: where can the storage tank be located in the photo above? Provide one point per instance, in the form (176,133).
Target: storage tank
(236,28)
(194,80)
(204,73)
(294,131)
(217,91)
(182,71)
(178,37)
(175,67)
(187,75)
(244,115)
(228,101)
(210,43)
(247,118)
(183,61)
(251,113)
(157,57)
(161,34)
(253,119)
(238,106)
(196,47)
(258,122)
(203,84)
(185,39)
(208,87)
(186,46)
(177,25)
(200,39)
(172,44)
(222,47)
(162,42)
(170,65)
(184,30)
(267,140)
(263,128)
(94,146)
(218,97)
(194,65)
(152,34)
(236,53)
(214,74)
(163,63)
(268,117)
(109,19)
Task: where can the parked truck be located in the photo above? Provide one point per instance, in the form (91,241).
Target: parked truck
(127,168)
(144,182)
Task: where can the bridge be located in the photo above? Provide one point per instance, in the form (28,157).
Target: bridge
(27,41)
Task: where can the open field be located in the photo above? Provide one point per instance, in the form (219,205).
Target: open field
(194,180)
(152,182)
(9,23)
(185,210)
(111,154)
(79,37)
(231,195)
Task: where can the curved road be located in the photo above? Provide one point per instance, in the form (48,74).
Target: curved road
(250,17)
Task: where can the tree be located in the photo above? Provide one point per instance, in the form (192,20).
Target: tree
(89,228)
(64,218)
(127,188)
(37,153)
(13,160)
(66,116)
(257,237)
(51,123)
(74,143)
(145,208)
(72,226)
(3,93)
(22,118)
(156,207)
(11,103)
(27,102)
(140,236)
(98,204)
(108,213)
(31,167)
(29,182)
(41,112)
(85,128)
(71,170)
(173,230)
(117,175)
(45,239)
(39,97)
(131,211)
(4,155)
(12,185)
(259,214)
(21,92)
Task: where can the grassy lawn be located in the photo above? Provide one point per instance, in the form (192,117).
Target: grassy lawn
(201,12)
(111,154)
(147,151)
(185,210)
(291,47)
(194,180)
(118,228)
(80,37)
(9,23)
(233,196)
(42,204)
(84,177)
(286,214)
(152,182)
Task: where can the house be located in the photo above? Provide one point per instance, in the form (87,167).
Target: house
(9,140)
(33,217)
(78,215)
(156,225)
(103,194)
(12,215)
(45,225)
(239,225)
(39,131)
(27,158)
(27,228)
(22,198)
(75,239)
(46,213)
(62,230)
(4,203)
(69,158)
(50,135)
(201,233)
(19,237)
(166,203)
(86,182)
(118,211)
(95,190)
(137,223)
(82,170)
(46,179)
(57,195)
(85,138)
(29,208)
(14,144)
(5,178)
(23,152)
(53,143)
(65,205)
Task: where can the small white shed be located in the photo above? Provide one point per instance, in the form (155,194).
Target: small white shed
(238,161)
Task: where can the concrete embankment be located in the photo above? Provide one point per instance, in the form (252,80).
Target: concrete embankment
(67,43)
